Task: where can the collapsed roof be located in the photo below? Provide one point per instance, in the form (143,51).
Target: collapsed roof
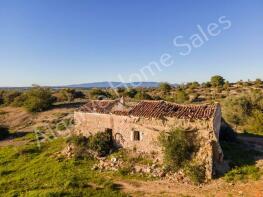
(151,109)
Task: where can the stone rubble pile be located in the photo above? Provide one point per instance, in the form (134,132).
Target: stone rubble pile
(153,170)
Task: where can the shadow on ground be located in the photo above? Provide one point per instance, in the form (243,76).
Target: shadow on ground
(13,136)
(242,152)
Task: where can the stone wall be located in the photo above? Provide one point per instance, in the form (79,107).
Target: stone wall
(206,133)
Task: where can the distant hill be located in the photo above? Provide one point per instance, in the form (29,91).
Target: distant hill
(115,84)
(104,84)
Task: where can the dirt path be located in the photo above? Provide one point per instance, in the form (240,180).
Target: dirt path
(218,188)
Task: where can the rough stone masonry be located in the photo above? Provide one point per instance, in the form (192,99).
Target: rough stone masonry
(138,126)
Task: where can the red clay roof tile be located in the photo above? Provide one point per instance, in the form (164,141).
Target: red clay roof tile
(153,109)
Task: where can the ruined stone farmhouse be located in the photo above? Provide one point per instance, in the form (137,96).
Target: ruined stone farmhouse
(138,126)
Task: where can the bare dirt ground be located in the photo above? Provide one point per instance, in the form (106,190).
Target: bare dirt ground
(217,188)
(21,122)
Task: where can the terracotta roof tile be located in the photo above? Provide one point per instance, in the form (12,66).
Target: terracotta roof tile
(152,109)
(158,109)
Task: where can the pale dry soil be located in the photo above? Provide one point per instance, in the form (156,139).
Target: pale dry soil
(20,121)
(217,188)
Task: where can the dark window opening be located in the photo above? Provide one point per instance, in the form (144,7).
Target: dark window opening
(136,136)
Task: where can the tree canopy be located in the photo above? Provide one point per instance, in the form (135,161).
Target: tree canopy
(217,81)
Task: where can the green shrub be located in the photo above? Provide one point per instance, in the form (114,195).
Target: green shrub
(217,81)
(101,142)
(236,109)
(243,173)
(178,148)
(258,82)
(78,140)
(8,96)
(80,147)
(165,87)
(36,99)
(141,95)
(181,96)
(19,101)
(245,111)
(68,95)
(206,85)
(193,85)
(98,93)
(255,122)
(195,172)
(130,93)
(4,132)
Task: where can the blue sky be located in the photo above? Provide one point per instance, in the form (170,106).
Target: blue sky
(56,42)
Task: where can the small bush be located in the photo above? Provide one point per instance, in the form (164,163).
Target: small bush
(236,109)
(10,96)
(36,99)
(181,96)
(68,95)
(101,143)
(80,147)
(99,93)
(243,173)
(141,95)
(165,87)
(255,122)
(178,148)
(130,93)
(4,132)
(195,172)
(245,111)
